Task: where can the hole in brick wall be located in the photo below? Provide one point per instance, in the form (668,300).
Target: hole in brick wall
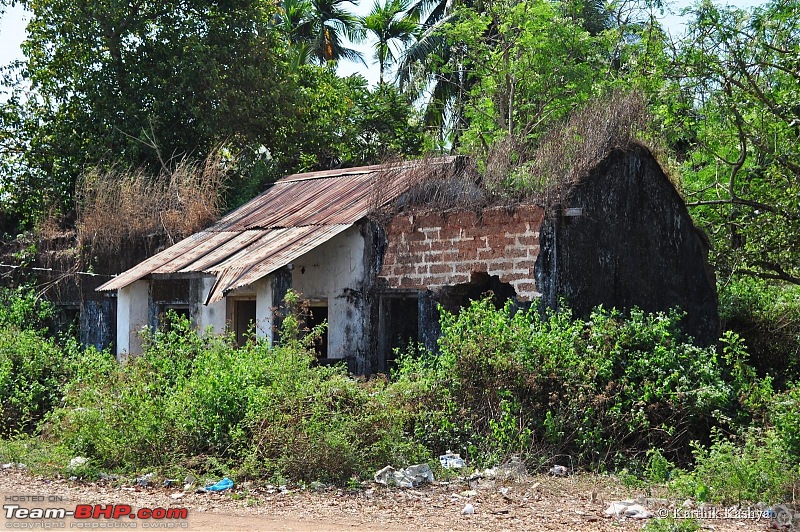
(453,298)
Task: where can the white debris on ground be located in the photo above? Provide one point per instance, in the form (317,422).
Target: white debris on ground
(78,461)
(410,477)
(628,508)
(451,460)
(541,503)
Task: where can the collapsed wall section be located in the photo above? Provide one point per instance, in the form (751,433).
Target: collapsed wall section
(430,251)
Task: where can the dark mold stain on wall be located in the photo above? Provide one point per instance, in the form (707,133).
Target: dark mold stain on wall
(623,238)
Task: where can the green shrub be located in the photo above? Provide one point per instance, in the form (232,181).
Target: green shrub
(23,309)
(511,382)
(34,372)
(784,415)
(670,524)
(753,466)
(767,317)
(260,411)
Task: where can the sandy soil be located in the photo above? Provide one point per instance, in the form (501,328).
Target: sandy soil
(537,503)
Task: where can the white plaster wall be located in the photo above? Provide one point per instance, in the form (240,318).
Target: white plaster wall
(326,273)
(264,308)
(212,315)
(132,312)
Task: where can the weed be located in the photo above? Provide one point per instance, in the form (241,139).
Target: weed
(672,525)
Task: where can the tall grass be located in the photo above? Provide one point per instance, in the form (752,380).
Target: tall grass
(119,205)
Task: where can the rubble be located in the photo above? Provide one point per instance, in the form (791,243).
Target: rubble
(410,477)
(451,460)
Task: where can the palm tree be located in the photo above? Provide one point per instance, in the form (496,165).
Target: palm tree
(391,26)
(431,67)
(321,26)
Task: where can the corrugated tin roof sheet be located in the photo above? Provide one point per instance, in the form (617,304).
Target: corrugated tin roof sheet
(295,215)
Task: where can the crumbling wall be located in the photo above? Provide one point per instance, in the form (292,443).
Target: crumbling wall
(623,238)
(430,251)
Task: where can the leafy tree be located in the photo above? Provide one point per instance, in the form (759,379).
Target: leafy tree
(142,83)
(344,124)
(532,69)
(391,26)
(494,68)
(145,84)
(738,71)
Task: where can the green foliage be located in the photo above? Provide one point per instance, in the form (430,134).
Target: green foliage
(391,26)
(658,468)
(23,308)
(31,374)
(767,318)
(511,381)
(671,524)
(157,82)
(258,410)
(317,29)
(784,415)
(737,72)
(754,466)
(146,82)
(34,370)
(35,453)
(530,66)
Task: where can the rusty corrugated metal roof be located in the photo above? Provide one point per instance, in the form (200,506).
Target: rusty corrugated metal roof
(295,215)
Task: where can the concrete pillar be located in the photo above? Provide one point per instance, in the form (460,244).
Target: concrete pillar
(132,304)
(265,310)
(212,315)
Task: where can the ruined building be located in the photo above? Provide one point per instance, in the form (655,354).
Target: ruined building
(375,263)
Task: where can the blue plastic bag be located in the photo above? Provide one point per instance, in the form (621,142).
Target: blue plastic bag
(222,485)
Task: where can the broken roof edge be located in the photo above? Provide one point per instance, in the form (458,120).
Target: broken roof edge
(468,189)
(401,164)
(149,265)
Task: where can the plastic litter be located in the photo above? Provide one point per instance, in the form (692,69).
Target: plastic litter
(222,485)
(410,477)
(468,509)
(628,508)
(559,471)
(451,460)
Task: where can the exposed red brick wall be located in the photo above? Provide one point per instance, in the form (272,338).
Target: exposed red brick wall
(433,250)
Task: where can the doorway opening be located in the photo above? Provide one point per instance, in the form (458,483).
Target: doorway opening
(244,319)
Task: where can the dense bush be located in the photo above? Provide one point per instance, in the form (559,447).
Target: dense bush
(609,392)
(513,382)
(259,410)
(22,308)
(767,317)
(34,369)
(751,466)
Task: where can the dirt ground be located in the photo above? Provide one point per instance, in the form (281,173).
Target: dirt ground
(537,503)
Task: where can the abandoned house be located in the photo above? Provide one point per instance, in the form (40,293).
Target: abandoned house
(375,263)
